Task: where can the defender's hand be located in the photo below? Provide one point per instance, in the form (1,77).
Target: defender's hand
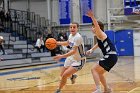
(89,52)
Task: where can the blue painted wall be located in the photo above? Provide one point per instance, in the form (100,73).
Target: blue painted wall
(123,41)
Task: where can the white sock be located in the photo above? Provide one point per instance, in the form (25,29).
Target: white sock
(98,87)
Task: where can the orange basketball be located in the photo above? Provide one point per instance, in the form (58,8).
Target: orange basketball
(51,43)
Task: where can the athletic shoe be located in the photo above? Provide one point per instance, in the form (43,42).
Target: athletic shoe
(73,78)
(97,91)
(58,91)
(108,91)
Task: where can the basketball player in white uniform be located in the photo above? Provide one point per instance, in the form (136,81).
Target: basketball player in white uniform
(75,58)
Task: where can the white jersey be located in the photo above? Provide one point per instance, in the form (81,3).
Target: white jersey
(77,40)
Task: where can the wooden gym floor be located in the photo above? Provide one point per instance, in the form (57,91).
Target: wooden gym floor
(123,78)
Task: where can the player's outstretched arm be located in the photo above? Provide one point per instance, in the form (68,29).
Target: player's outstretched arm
(63,43)
(91,15)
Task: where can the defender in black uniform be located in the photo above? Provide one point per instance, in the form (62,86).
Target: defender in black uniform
(109,52)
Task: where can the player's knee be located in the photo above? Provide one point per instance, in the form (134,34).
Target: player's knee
(64,76)
(93,69)
(61,75)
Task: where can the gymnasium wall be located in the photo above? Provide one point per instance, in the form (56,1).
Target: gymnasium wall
(37,6)
(54,10)
(100,11)
(76,11)
(136,43)
(19,5)
(40,7)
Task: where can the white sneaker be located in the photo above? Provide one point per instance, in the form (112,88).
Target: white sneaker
(97,91)
(109,90)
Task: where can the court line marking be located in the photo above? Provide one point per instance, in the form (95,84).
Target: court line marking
(134,89)
(60,64)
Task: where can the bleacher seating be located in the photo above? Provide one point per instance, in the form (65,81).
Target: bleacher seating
(17,55)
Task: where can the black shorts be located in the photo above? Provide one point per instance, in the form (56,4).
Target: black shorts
(108,61)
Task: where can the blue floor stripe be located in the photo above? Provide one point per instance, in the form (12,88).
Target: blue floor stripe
(28,70)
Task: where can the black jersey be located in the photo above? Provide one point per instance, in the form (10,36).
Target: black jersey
(106,46)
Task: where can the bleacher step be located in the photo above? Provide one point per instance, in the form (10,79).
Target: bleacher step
(44,54)
(12,56)
(36,59)
(23,46)
(22,62)
(10,51)
(16,42)
(17,50)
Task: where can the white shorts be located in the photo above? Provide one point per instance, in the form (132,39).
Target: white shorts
(74,63)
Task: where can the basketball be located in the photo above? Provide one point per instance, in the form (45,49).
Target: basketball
(51,43)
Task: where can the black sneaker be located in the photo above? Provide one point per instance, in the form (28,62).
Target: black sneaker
(73,78)
(58,91)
